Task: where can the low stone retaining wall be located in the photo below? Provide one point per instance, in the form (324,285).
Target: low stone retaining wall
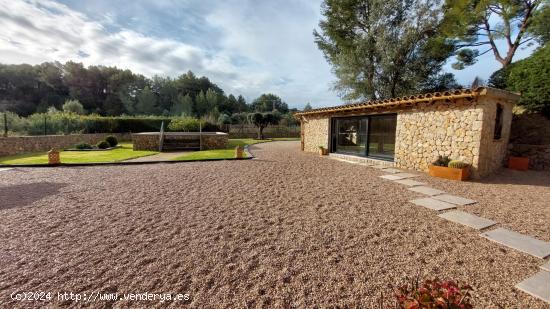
(266,135)
(209,140)
(14,145)
(539,155)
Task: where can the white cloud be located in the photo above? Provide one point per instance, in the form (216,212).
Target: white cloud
(260,47)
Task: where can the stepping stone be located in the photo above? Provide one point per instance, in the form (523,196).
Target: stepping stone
(392,170)
(397,176)
(391,177)
(380,166)
(410,182)
(5,169)
(405,175)
(537,286)
(454,199)
(546,266)
(426,190)
(467,219)
(433,204)
(520,242)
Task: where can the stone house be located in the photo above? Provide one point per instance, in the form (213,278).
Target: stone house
(471,125)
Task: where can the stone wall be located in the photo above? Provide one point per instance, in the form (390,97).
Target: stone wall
(427,131)
(316,133)
(219,141)
(142,141)
(26,144)
(493,151)
(210,140)
(539,155)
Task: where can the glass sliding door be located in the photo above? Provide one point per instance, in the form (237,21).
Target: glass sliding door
(381,137)
(352,135)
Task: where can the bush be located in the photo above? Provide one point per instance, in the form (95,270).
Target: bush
(111,140)
(442,161)
(457,164)
(434,294)
(103,145)
(83,146)
(190,124)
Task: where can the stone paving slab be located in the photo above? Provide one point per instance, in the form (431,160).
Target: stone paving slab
(537,286)
(520,242)
(454,199)
(433,204)
(410,182)
(380,166)
(426,190)
(546,266)
(392,170)
(397,176)
(467,219)
(5,169)
(391,177)
(406,175)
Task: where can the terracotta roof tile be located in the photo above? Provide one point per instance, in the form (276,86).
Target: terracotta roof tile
(427,97)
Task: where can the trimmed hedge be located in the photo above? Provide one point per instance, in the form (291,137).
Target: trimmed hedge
(70,123)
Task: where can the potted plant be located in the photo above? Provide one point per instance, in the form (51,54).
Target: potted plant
(518,161)
(323,151)
(446,168)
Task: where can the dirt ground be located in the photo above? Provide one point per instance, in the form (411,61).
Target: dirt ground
(287,229)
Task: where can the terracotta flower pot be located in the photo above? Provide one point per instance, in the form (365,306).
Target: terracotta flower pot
(518,163)
(323,151)
(460,174)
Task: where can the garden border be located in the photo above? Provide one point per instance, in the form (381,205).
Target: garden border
(246,149)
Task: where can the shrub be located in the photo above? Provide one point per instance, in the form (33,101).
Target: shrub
(457,164)
(111,140)
(190,124)
(434,294)
(187,124)
(442,161)
(103,145)
(83,146)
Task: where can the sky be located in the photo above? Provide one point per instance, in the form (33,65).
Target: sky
(246,47)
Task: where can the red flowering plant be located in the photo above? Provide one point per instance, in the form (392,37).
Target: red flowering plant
(434,294)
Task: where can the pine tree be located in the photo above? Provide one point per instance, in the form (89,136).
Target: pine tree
(147,101)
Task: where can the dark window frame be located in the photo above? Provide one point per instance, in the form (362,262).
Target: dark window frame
(499,115)
(332,146)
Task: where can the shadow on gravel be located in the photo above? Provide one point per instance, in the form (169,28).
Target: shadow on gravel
(26,194)
(511,177)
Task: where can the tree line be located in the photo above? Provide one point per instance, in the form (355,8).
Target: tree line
(109,91)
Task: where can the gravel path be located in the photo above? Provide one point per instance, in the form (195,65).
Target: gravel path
(287,229)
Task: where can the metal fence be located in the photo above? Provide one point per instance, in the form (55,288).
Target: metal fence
(250,131)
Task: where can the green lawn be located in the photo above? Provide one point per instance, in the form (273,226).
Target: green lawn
(122,153)
(227,153)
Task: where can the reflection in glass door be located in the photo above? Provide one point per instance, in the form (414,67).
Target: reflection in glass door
(350,135)
(382,136)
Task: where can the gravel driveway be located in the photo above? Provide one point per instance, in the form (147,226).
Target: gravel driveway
(287,229)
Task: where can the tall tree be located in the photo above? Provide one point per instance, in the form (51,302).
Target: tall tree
(183,106)
(241,104)
(201,104)
(146,103)
(480,23)
(381,48)
(268,102)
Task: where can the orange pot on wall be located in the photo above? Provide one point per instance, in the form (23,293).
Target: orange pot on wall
(460,174)
(518,163)
(323,151)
